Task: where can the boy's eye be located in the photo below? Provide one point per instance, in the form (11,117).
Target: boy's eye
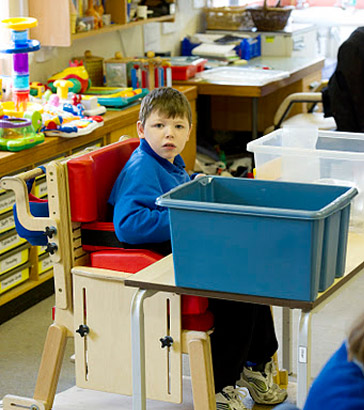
(158,125)
(180,126)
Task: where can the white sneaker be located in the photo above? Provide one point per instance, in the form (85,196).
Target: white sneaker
(231,398)
(261,386)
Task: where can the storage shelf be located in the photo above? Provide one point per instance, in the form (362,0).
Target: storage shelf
(24,287)
(115,27)
(54,23)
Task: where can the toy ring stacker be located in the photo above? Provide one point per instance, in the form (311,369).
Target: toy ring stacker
(15,123)
(17,134)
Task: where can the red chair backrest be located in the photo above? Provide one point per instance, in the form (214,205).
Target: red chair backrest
(91,177)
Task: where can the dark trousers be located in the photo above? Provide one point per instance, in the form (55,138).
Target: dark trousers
(242,332)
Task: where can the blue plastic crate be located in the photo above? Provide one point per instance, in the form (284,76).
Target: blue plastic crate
(249,48)
(265,238)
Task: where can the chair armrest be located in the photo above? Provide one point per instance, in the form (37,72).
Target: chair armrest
(17,184)
(286,105)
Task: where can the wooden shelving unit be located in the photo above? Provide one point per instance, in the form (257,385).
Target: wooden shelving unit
(115,27)
(54,21)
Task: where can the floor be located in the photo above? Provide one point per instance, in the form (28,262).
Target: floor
(22,338)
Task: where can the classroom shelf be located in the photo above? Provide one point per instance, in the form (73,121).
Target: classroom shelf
(54,21)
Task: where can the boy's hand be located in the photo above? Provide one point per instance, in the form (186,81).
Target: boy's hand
(199,176)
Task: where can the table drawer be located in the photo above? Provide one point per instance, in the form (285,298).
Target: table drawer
(14,258)
(44,263)
(14,278)
(7,200)
(10,240)
(7,221)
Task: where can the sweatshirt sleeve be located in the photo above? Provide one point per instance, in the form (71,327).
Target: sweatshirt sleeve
(137,219)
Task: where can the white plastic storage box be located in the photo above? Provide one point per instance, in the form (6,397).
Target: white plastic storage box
(265,238)
(334,158)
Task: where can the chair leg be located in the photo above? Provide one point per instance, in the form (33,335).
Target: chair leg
(50,365)
(48,374)
(202,377)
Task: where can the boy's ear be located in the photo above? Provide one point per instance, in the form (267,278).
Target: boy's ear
(140,129)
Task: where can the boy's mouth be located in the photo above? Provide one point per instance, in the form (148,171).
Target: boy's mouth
(169,145)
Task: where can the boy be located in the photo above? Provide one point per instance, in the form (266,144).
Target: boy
(242,331)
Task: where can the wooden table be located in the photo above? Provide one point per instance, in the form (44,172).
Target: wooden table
(303,71)
(159,277)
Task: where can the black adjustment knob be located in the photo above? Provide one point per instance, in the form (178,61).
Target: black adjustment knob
(50,231)
(51,248)
(166,341)
(83,330)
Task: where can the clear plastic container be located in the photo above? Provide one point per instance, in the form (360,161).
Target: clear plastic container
(337,158)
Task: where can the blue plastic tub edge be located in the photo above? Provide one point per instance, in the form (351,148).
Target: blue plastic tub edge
(340,202)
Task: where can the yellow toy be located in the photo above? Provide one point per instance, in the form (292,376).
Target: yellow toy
(77,75)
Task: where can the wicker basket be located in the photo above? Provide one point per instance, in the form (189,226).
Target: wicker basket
(227,18)
(270,18)
(94,66)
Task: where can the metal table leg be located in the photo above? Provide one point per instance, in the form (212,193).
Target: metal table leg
(303,357)
(287,339)
(254,118)
(138,351)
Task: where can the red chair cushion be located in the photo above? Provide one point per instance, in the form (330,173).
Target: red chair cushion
(124,260)
(194,305)
(202,322)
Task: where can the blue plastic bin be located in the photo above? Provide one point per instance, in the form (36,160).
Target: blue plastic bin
(247,49)
(264,238)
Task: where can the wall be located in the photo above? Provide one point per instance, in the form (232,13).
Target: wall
(160,37)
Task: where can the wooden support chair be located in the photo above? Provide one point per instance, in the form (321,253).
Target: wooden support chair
(92,302)
(93,305)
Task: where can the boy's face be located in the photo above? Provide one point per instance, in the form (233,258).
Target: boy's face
(166,136)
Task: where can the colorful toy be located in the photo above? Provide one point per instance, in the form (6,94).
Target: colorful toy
(96,13)
(37,89)
(77,75)
(151,72)
(21,46)
(68,120)
(17,134)
(116,97)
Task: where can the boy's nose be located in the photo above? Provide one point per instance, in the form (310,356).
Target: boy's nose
(169,132)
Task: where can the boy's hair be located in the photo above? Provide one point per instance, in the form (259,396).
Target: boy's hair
(356,341)
(167,101)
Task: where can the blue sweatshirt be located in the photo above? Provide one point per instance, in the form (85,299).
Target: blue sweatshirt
(146,176)
(339,386)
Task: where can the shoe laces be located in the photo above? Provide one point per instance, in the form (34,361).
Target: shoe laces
(269,372)
(236,396)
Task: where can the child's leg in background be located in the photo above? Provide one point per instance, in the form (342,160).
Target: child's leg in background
(242,331)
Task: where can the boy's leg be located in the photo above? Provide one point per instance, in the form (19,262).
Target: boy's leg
(235,329)
(258,375)
(264,341)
